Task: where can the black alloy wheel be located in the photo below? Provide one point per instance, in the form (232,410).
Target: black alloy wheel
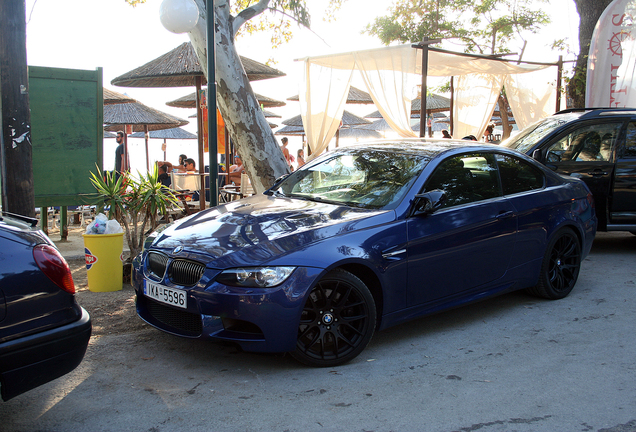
(560,268)
(337,322)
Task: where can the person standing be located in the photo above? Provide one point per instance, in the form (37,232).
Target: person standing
(285,150)
(300,158)
(121,164)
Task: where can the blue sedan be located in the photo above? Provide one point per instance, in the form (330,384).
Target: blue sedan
(364,238)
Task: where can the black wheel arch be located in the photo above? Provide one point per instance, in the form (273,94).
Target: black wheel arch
(371,280)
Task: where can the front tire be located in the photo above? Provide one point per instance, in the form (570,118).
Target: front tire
(337,322)
(560,268)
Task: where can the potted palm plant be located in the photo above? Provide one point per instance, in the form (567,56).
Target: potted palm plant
(135,203)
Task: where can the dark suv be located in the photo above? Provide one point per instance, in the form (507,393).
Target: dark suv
(597,145)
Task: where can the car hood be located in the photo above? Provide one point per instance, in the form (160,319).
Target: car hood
(262,229)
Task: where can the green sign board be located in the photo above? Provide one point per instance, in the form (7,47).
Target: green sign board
(67,133)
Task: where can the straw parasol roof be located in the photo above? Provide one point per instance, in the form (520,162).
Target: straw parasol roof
(173,133)
(355,96)
(180,67)
(139,116)
(112,97)
(290,131)
(190,101)
(354,132)
(348,119)
(434,103)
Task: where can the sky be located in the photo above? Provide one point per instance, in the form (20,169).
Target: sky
(87,34)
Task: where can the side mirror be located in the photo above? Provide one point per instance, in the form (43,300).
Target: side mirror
(429,202)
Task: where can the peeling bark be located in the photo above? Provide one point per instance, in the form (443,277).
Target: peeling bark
(249,130)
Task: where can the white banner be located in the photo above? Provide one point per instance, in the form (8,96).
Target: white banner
(612,58)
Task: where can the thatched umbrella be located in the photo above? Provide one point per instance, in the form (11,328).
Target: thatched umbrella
(355,96)
(434,103)
(291,131)
(112,97)
(348,120)
(180,68)
(354,132)
(190,101)
(141,118)
(166,134)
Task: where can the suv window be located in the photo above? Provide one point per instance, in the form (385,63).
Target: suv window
(630,142)
(466,178)
(518,175)
(589,143)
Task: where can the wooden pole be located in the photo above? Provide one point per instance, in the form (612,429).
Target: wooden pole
(16,150)
(558,83)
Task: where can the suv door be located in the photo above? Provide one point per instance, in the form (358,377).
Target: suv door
(587,151)
(623,202)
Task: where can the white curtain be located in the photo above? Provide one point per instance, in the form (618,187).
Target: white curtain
(322,99)
(392,84)
(531,95)
(476,97)
(391,74)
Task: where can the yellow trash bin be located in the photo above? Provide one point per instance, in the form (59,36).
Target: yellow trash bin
(104,253)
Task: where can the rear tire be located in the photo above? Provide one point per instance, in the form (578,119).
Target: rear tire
(560,268)
(337,321)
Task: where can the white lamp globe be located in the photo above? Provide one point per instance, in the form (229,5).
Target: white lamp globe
(179,16)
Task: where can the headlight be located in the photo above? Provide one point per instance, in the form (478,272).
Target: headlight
(255,277)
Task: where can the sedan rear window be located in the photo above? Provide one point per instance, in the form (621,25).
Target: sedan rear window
(518,176)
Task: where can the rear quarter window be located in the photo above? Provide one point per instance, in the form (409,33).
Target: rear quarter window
(518,175)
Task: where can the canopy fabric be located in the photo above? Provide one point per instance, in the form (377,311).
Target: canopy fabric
(391,75)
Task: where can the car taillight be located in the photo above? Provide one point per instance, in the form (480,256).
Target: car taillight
(590,200)
(54,266)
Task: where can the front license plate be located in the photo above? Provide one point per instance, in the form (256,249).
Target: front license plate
(171,296)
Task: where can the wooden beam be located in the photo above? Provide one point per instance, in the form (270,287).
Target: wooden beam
(16,149)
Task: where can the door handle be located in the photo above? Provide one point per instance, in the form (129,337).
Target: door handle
(598,173)
(505,215)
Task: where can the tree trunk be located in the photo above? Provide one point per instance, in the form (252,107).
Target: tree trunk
(17,166)
(249,130)
(589,13)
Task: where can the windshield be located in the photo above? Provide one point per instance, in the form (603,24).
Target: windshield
(360,178)
(530,136)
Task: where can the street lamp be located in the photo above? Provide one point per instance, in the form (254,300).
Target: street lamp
(179,16)
(182,16)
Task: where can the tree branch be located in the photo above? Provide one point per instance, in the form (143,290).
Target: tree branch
(247,14)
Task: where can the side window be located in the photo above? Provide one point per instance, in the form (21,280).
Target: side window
(630,142)
(466,178)
(518,175)
(589,143)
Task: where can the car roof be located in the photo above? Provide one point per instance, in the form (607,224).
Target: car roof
(583,113)
(423,146)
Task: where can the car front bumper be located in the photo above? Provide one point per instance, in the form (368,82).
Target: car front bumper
(258,320)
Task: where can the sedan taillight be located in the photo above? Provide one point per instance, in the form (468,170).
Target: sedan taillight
(53,265)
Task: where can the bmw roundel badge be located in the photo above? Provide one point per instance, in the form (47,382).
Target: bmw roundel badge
(177,250)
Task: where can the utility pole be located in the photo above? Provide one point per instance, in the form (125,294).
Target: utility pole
(16,150)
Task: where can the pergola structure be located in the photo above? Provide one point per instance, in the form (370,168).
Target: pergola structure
(391,74)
